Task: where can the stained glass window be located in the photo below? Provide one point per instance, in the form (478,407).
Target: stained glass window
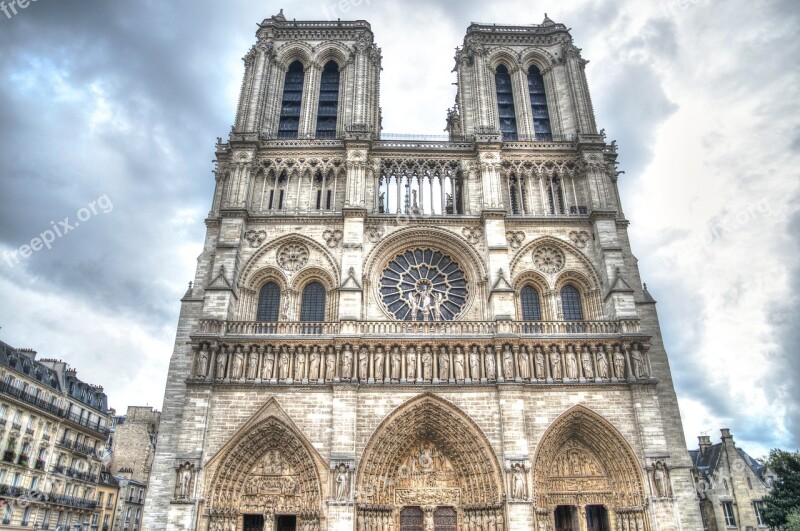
(328,101)
(505,104)
(541,116)
(269,302)
(289,124)
(313,304)
(571,304)
(530,304)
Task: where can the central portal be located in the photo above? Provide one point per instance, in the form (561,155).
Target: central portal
(286,523)
(253,522)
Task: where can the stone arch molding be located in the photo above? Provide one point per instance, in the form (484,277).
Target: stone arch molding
(448,242)
(265,258)
(576,262)
(267,467)
(582,460)
(429,453)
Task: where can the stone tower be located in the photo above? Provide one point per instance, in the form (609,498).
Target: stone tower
(418,335)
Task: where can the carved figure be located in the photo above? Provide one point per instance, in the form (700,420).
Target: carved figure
(444,364)
(284,364)
(555,364)
(427,364)
(238,363)
(185,475)
(300,366)
(438,303)
(363,363)
(541,372)
(490,364)
(347,363)
(222,361)
(508,364)
(474,363)
(252,366)
(602,364)
(342,481)
(518,482)
(313,364)
(524,363)
(269,365)
(330,365)
(413,304)
(202,363)
(411,364)
(458,365)
(425,304)
(661,480)
(379,357)
(572,364)
(619,363)
(586,363)
(396,361)
(637,361)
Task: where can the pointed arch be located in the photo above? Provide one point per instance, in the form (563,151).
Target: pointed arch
(268,452)
(429,449)
(582,459)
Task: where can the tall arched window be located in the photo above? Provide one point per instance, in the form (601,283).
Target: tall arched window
(312,309)
(269,303)
(289,124)
(328,101)
(541,117)
(529,298)
(505,103)
(571,304)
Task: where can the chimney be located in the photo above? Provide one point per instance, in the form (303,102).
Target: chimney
(705,443)
(726,433)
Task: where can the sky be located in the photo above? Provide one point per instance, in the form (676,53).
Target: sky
(109,111)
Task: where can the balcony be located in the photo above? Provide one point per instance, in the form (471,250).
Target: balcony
(76,474)
(40,464)
(426,329)
(77,447)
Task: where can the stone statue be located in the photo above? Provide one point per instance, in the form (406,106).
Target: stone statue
(379,357)
(524,363)
(444,364)
(313,364)
(411,364)
(619,363)
(284,364)
(330,365)
(347,363)
(222,361)
(490,365)
(413,304)
(438,304)
(342,481)
(602,363)
(474,363)
(661,480)
(184,481)
(586,363)
(363,364)
(541,372)
(238,364)
(555,364)
(458,365)
(396,360)
(637,361)
(300,366)
(269,365)
(425,304)
(572,364)
(202,363)
(252,366)
(508,364)
(427,364)
(518,482)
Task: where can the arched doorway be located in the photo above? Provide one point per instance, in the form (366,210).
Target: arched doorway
(266,477)
(429,467)
(586,477)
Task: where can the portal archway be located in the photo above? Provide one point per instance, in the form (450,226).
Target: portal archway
(585,469)
(267,472)
(429,458)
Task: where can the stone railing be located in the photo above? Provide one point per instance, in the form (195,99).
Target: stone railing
(410,329)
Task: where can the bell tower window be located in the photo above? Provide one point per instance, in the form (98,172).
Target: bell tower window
(505,104)
(289,124)
(328,110)
(541,116)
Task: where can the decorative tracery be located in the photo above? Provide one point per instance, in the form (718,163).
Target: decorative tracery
(423,285)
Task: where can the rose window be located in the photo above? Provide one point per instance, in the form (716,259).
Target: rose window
(548,259)
(423,285)
(293,256)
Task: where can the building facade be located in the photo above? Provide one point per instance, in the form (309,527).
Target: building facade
(731,485)
(133,444)
(107,498)
(390,333)
(53,429)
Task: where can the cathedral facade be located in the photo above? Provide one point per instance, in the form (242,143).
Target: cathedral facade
(404,334)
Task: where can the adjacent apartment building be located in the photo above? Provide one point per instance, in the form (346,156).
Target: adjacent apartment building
(53,428)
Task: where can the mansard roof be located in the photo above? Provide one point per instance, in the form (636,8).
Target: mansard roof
(706,463)
(23,363)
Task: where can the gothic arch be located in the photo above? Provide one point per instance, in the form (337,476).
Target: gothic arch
(504,56)
(268,467)
(581,263)
(582,459)
(543,59)
(429,453)
(332,51)
(295,51)
(433,237)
